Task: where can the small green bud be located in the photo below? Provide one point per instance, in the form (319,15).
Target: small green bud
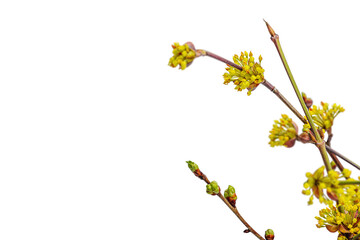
(193,166)
(269,234)
(229,192)
(333,165)
(213,188)
(230,195)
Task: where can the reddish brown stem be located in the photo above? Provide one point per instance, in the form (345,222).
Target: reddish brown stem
(266,83)
(236,212)
(203,177)
(330,150)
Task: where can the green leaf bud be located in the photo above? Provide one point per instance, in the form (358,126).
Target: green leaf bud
(229,192)
(230,195)
(192,166)
(333,165)
(269,234)
(213,188)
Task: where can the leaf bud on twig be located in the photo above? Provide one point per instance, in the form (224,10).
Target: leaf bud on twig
(230,195)
(308,101)
(269,234)
(195,169)
(213,188)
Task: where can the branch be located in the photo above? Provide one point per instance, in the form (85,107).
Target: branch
(195,169)
(266,83)
(349,182)
(329,149)
(319,141)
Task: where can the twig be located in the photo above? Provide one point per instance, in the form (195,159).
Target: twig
(273,89)
(332,155)
(336,160)
(266,83)
(329,149)
(203,177)
(319,141)
(236,212)
(349,182)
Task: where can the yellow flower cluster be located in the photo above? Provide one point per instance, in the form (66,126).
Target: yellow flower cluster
(316,184)
(283,133)
(251,75)
(183,56)
(324,117)
(351,193)
(343,219)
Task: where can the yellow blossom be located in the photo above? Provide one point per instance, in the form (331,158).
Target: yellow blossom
(283,133)
(343,218)
(251,75)
(183,55)
(324,117)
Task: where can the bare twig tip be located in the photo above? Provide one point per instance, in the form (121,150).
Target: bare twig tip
(271,31)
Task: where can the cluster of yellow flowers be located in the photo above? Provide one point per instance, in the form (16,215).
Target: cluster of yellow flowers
(183,56)
(283,133)
(316,184)
(344,219)
(324,117)
(351,194)
(343,200)
(251,75)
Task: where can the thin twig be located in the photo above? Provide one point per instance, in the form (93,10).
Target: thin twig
(319,141)
(329,149)
(332,155)
(349,182)
(203,177)
(273,89)
(336,160)
(266,83)
(236,212)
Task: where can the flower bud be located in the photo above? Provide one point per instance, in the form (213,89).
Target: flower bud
(192,166)
(230,195)
(332,195)
(183,55)
(333,165)
(346,173)
(195,169)
(304,137)
(290,143)
(308,102)
(213,188)
(269,234)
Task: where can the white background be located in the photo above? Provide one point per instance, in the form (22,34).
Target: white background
(95,128)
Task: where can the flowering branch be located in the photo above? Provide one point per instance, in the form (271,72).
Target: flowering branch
(266,83)
(341,196)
